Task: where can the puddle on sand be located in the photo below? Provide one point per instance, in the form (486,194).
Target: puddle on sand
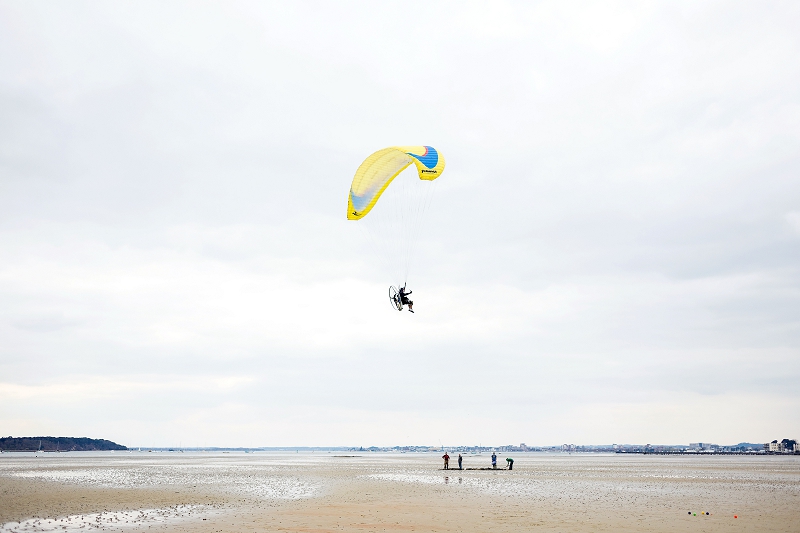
(110,521)
(410,478)
(251,482)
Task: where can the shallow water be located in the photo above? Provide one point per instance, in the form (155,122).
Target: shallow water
(267,477)
(284,475)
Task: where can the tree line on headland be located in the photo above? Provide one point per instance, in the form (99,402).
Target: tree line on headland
(57,444)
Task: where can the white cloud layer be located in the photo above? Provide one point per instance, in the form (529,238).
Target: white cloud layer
(612,254)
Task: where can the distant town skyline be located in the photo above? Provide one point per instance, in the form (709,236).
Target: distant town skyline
(66,444)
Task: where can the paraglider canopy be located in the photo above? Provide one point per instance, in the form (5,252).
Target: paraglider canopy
(378,170)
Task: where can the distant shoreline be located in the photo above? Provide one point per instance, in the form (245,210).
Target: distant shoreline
(57,444)
(263,450)
(70,444)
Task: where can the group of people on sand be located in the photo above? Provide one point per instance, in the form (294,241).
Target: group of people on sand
(447,461)
(446,457)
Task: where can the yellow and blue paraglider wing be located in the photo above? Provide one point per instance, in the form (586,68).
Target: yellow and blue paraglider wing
(372,178)
(378,170)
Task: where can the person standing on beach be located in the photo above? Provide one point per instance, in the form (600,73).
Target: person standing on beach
(459,462)
(510,462)
(446,461)
(494,460)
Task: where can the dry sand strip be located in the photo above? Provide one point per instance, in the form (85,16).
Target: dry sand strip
(361,503)
(111,520)
(23,498)
(369,506)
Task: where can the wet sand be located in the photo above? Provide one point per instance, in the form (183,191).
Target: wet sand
(396,492)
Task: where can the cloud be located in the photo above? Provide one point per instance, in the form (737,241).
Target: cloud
(45,322)
(79,389)
(793,219)
(615,227)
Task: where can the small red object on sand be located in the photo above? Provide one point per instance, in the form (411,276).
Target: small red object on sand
(735,516)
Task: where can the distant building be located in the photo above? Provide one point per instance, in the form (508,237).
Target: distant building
(774,446)
(703,446)
(783,446)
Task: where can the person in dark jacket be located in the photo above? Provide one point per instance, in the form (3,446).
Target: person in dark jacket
(404,298)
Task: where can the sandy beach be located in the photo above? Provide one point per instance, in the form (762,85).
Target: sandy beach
(316,492)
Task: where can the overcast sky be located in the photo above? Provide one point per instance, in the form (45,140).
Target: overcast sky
(613,251)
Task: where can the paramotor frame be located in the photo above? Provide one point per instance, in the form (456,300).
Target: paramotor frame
(394,298)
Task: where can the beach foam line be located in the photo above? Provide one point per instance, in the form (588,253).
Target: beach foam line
(109,521)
